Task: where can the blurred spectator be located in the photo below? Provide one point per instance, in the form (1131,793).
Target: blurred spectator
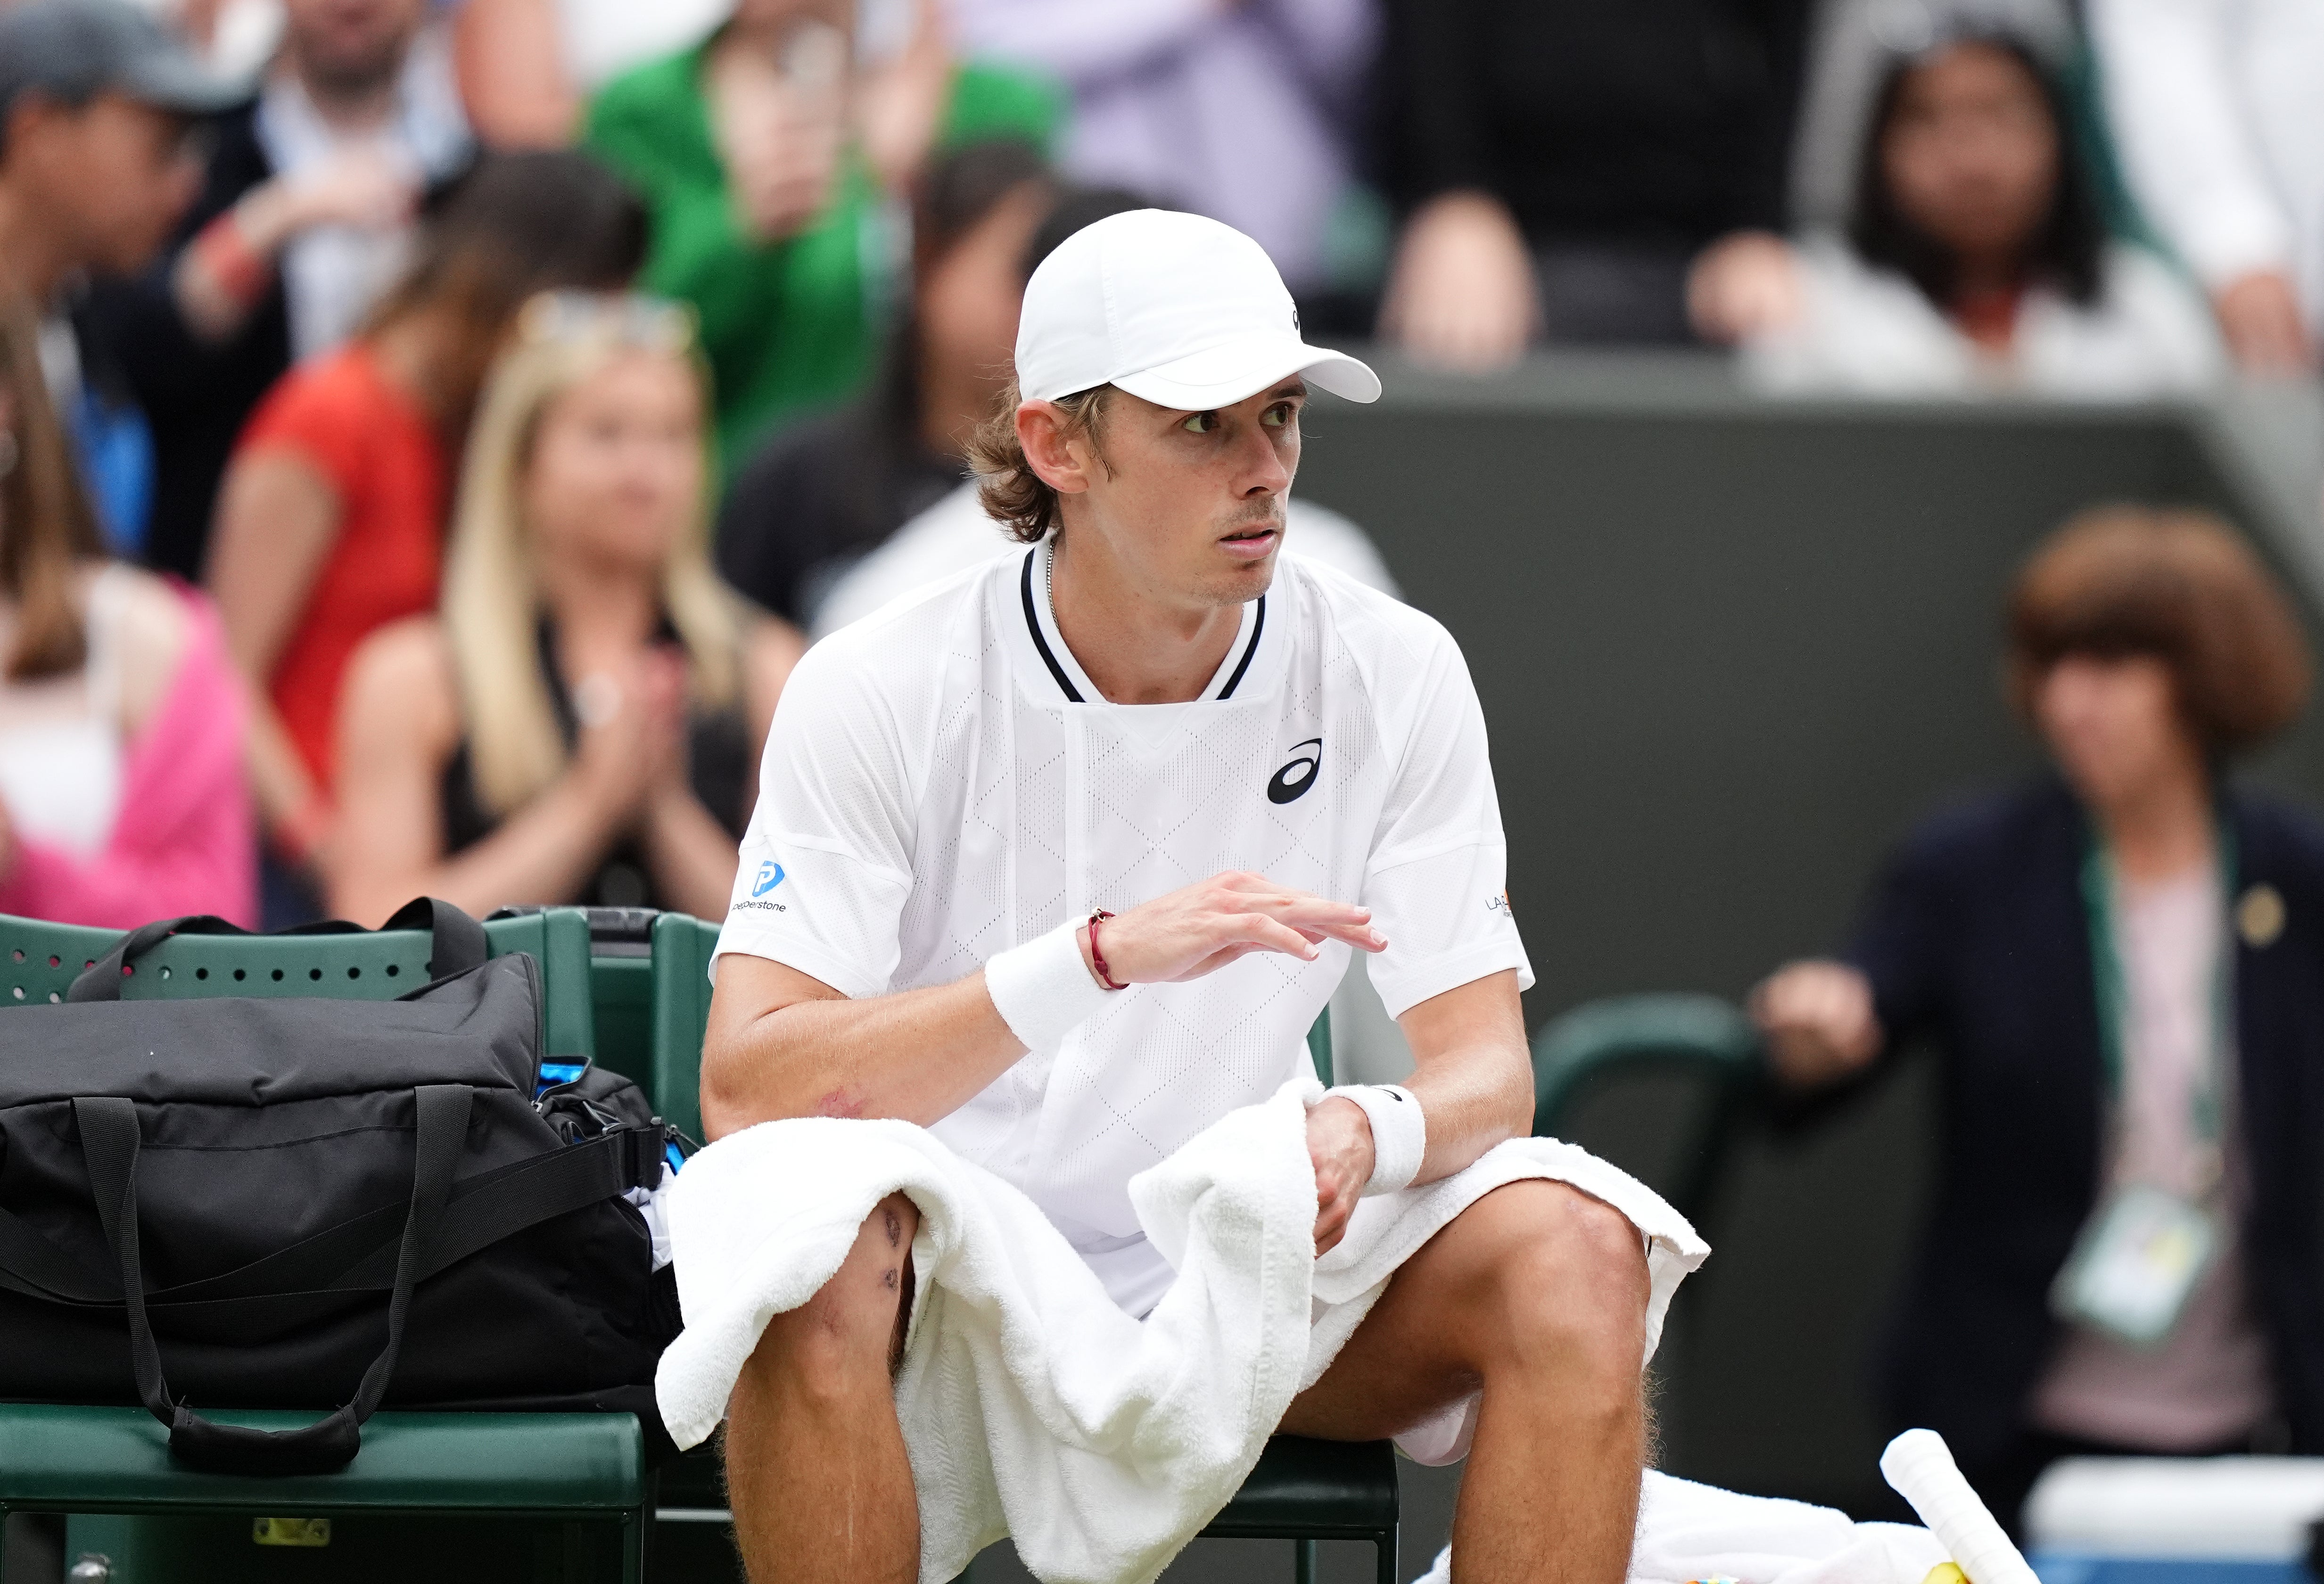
(2123,966)
(1855,43)
(306,216)
(330,520)
(583,723)
(94,169)
(1976,256)
(2218,110)
(1565,166)
(760,154)
(121,783)
(825,491)
(527,67)
(1243,110)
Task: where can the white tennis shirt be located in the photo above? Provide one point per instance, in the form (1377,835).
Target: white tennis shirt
(943,782)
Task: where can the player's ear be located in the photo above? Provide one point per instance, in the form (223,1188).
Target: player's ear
(1046,437)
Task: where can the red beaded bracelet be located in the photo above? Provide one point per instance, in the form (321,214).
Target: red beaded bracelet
(1097,958)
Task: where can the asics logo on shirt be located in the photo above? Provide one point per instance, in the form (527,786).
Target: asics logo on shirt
(1292,781)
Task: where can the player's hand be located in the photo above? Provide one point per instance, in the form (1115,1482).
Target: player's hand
(1819,1021)
(1340,1145)
(1206,925)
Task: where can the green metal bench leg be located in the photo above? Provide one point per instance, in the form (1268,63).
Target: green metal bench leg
(1303,1561)
(1384,1553)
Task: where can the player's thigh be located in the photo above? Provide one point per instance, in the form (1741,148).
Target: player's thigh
(1533,1265)
(856,1320)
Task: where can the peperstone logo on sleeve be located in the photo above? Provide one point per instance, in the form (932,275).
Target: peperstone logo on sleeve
(1291,782)
(770,876)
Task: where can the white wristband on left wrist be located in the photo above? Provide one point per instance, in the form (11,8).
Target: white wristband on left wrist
(1399,1132)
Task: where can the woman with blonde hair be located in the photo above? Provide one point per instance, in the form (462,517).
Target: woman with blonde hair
(2122,966)
(582,721)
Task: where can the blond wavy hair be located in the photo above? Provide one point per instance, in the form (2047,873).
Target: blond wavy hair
(491,600)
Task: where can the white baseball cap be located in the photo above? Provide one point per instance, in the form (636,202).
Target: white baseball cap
(1175,309)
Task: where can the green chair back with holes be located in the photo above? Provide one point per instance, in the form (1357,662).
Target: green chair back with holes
(579,1478)
(39,961)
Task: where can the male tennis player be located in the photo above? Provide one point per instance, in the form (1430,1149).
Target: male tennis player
(1060,858)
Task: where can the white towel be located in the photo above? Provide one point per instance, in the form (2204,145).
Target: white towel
(1689,1532)
(1031,1406)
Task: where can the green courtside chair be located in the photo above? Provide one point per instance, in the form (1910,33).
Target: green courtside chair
(579,1478)
(1302,1490)
(1703,1039)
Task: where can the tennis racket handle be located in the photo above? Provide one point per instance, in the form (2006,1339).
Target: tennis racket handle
(1920,1467)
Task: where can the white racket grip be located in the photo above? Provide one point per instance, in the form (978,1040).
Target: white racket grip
(1919,1467)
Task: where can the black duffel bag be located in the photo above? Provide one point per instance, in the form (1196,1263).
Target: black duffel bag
(305,1203)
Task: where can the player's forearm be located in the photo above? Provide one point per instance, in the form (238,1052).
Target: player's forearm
(919,1056)
(1474,1074)
(1472,1101)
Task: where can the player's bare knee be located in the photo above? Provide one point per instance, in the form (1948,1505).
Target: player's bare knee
(1569,1291)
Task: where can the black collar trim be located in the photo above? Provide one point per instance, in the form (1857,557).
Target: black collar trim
(1066,684)
(1033,625)
(1258,626)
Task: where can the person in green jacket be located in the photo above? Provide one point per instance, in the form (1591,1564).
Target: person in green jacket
(767,157)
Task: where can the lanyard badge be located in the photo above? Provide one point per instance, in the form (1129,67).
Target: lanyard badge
(2140,1257)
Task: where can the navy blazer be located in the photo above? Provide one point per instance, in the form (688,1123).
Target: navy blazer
(1975,937)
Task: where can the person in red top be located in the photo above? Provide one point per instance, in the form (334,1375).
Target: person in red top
(330,520)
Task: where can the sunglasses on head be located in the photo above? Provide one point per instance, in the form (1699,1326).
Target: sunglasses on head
(628,318)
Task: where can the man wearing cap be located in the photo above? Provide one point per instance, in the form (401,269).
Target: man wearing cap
(1060,858)
(95,101)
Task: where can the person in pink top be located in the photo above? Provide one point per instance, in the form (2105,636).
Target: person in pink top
(122,796)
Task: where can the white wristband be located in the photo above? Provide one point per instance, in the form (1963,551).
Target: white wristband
(1399,1133)
(1043,989)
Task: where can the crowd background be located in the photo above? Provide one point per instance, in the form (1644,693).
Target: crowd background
(430,429)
